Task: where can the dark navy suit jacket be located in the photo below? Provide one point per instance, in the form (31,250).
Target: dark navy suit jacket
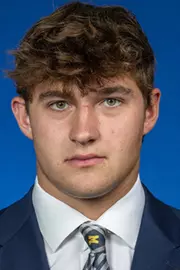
(157,248)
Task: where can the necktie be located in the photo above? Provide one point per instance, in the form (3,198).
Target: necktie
(94,236)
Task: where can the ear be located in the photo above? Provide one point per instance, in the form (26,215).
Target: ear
(152,112)
(22,118)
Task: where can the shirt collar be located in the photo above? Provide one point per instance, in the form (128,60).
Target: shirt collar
(124,217)
(57,220)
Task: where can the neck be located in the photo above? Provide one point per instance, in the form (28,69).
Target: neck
(91,208)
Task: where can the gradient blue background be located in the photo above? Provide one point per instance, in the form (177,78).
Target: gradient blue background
(160,156)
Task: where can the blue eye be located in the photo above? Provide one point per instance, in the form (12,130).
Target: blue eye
(112,104)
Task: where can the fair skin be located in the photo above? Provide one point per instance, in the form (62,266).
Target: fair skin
(84,125)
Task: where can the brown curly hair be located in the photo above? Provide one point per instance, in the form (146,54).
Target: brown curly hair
(80,42)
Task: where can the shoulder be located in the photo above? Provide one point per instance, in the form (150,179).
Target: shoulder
(8,208)
(17,209)
(158,205)
(168,208)
(164,216)
(3,210)
(175,211)
(14,216)
(161,207)
(159,210)
(164,207)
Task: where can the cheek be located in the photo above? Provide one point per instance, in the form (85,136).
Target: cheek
(44,134)
(123,131)
(44,127)
(51,141)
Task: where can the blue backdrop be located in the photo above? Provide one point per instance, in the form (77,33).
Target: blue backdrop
(160,156)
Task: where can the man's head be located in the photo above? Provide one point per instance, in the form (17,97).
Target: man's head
(83,56)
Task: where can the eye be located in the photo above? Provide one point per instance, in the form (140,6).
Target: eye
(58,105)
(112,102)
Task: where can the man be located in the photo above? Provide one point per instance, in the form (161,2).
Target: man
(88,208)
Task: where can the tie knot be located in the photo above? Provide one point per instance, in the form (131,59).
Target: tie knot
(94,236)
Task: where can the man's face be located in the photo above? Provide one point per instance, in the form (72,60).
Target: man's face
(109,125)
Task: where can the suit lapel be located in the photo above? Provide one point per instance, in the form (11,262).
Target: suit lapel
(158,244)
(22,245)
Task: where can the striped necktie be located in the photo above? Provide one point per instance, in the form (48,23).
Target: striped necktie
(94,236)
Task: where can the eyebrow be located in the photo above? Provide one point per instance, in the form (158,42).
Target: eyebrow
(119,89)
(55,93)
(115,89)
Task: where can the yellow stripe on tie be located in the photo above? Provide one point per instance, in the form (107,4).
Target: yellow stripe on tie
(93,239)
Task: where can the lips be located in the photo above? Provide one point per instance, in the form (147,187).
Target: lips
(85,160)
(78,163)
(84,157)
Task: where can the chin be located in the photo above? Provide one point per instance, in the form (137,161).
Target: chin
(93,194)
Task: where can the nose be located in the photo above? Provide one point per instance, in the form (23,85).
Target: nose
(85,126)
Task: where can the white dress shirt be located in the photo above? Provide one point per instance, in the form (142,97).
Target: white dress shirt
(64,244)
